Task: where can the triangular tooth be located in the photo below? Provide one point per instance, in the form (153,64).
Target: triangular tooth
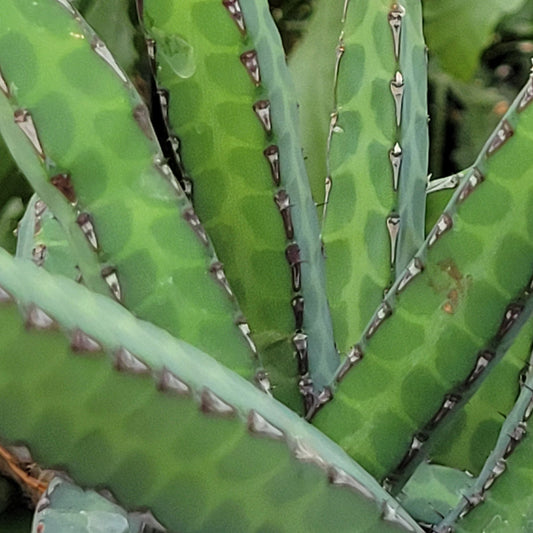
(393,227)
(292,254)
(416,445)
(272,155)
(283,203)
(298,305)
(441,184)
(397,86)
(396,156)
(5,297)
(247,334)
(169,382)
(21,453)
(515,437)
(527,97)
(38,255)
(110,276)
(235,11)
(194,222)
(249,60)
(259,425)
(3,85)
(414,268)
(149,522)
(384,311)
(324,396)
(63,183)
(164,99)
(142,118)
(263,381)
(85,222)
(164,169)
(39,208)
(83,343)
(38,319)
(501,136)
(499,468)
(395,21)
(511,315)
(303,452)
(151,45)
(474,180)
(102,51)
(213,404)
(217,269)
(449,403)
(127,362)
(328,183)
(307,391)
(24,121)
(299,341)
(108,495)
(67,6)
(354,356)
(340,478)
(262,110)
(482,362)
(391,515)
(444,223)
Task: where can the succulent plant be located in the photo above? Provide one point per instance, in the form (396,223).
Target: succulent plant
(229,333)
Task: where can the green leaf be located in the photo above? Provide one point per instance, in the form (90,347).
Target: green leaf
(433,490)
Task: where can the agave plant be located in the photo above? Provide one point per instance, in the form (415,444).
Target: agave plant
(232,333)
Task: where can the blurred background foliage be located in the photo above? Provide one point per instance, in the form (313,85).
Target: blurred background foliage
(479,57)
